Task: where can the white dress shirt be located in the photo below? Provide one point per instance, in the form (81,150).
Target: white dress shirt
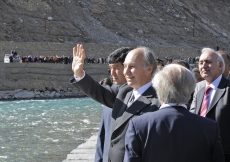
(172,104)
(214,86)
(137,93)
(78,79)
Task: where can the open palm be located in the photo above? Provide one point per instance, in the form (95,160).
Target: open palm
(78,60)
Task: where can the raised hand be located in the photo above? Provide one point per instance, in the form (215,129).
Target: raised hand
(78,60)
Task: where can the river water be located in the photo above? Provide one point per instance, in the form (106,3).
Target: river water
(45,130)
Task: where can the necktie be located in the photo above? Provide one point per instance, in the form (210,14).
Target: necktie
(205,102)
(131,100)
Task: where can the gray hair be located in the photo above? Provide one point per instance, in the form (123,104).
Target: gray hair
(174,84)
(219,57)
(149,58)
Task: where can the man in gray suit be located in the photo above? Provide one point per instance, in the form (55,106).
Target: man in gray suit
(211,66)
(132,99)
(225,74)
(173,133)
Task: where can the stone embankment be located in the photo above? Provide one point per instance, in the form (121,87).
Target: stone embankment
(42,80)
(84,152)
(20,94)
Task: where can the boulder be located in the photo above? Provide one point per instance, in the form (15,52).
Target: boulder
(46,93)
(57,95)
(69,94)
(51,95)
(7,97)
(24,95)
(41,95)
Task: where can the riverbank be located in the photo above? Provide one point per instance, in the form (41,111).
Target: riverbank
(43,80)
(21,94)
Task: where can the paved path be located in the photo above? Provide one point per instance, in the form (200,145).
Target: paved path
(84,152)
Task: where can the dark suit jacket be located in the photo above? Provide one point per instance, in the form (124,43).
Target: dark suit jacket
(172,134)
(219,109)
(121,114)
(103,140)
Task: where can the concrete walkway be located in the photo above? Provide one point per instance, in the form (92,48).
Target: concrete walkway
(84,152)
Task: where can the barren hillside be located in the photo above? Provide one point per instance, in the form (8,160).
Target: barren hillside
(183,23)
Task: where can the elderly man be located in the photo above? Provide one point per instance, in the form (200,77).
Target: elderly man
(211,98)
(116,60)
(173,133)
(132,99)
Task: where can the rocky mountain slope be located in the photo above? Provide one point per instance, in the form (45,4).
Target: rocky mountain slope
(119,22)
(174,28)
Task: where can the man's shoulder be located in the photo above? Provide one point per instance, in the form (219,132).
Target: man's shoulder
(125,88)
(151,115)
(150,90)
(200,121)
(143,122)
(144,118)
(200,84)
(224,83)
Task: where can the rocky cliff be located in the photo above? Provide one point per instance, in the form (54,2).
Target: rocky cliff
(173,28)
(121,22)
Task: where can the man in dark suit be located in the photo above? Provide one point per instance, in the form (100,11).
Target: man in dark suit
(173,133)
(132,99)
(115,60)
(211,66)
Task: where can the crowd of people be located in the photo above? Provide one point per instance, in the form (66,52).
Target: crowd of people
(158,112)
(47,59)
(88,60)
(54,59)
(59,59)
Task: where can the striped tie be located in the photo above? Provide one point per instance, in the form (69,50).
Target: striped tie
(205,103)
